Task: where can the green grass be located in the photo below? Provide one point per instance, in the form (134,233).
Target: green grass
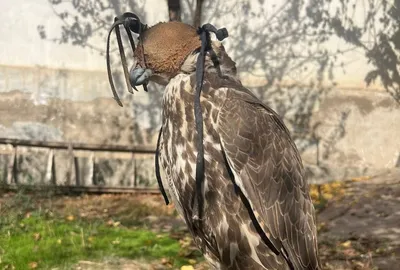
(48,241)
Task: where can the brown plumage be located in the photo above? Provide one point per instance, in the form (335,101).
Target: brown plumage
(258,213)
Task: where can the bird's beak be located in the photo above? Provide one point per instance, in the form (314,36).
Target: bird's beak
(140,76)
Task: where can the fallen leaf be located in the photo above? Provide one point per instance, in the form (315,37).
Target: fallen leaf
(110,222)
(115,242)
(116,224)
(361,178)
(187,267)
(36,236)
(192,261)
(346,244)
(33,265)
(70,218)
(164,260)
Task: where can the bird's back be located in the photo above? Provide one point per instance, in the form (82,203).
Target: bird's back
(227,235)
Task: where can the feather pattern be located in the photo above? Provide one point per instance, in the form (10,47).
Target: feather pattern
(248,150)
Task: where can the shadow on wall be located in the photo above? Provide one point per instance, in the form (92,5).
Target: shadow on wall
(367,141)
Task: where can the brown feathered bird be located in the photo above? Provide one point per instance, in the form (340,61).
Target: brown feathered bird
(240,185)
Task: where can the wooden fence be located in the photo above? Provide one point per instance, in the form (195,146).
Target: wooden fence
(11,180)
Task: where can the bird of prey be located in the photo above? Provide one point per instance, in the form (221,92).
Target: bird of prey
(228,161)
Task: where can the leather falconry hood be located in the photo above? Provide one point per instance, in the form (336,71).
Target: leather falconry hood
(165,46)
(162,48)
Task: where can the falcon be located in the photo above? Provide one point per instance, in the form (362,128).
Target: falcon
(226,159)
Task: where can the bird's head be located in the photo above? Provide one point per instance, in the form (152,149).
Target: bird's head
(167,49)
(161,52)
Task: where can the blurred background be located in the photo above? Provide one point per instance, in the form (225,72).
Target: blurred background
(329,68)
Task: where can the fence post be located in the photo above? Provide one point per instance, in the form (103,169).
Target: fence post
(5,173)
(12,172)
(10,167)
(134,174)
(49,168)
(90,176)
(70,156)
(53,170)
(317,141)
(95,172)
(77,176)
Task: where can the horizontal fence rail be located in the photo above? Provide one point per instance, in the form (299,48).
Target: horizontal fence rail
(83,189)
(11,177)
(79,146)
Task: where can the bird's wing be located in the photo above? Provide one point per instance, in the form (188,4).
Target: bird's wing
(266,166)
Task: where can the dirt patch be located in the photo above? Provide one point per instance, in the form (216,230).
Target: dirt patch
(361,228)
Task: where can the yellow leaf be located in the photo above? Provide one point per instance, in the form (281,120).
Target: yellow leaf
(361,178)
(116,224)
(36,236)
(192,261)
(33,265)
(70,218)
(59,241)
(187,267)
(346,244)
(115,242)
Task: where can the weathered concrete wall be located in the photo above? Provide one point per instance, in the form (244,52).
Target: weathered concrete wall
(366,142)
(65,87)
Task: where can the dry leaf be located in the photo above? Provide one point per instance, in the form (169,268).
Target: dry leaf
(36,236)
(346,244)
(192,261)
(164,260)
(110,222)
(115,242)
(187,267)
(70,218)
(116,224)
(33,265)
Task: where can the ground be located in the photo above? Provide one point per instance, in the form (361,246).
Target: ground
(358,222)
(361,228)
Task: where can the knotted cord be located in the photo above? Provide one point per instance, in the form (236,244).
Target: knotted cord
(204,32)
(131,22)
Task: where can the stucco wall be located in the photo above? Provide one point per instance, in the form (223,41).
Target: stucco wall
(66,87)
